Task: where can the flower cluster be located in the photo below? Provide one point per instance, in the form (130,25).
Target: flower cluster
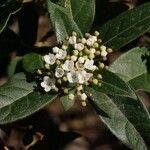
(74,63)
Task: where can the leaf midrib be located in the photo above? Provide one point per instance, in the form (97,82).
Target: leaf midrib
(126,30)
(118,89)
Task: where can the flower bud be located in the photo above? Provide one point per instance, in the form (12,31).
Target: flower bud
(87,51)
(109,50)
(99,76)
(39,71)
(74,58)
(95,81)
(96,33)
(83,40)
(75,52)
(64,47)
(47,66)
(58,62)
(79,88)
(96,45)
(99,84)
(91,56)
(104,53)
(85,57)
(83,103)
(71,96)
(66,91)
(59,81)
(87,35)
(74,33)
(83,96)
(101,65)
(99,41)
(103,48)
(65,78)
(97,52)
(92,50)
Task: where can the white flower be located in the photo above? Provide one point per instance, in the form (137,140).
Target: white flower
(59,72)
(79,66)
(61,54)
(104,53)
(73,77)
(91,40)
(74,58)
(72,39)
(79,46)
(50,59)
(83,96)
(83,76)
(55,49)
(81,60)
(89,64)
(68,65)
(48,84)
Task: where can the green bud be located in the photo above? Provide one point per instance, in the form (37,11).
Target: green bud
(75,52)
(96,45)
(95,81)
(71,96)
(74,33)
(65,78)
(99,76)
(47,66)
(109,50)
(96,33)
(58,62)
(91,56)
(66,91)
(87,35)
(39,71)
(101,65)
(59,81)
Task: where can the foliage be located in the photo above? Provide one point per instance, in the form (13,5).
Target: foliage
(116,101)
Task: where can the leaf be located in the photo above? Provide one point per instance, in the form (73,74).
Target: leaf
(7,8)
(82,12)
(66,18)
(132,68)
(113,85)
(12,66)
(62,21)
(66,102)
(126,27)
(18,99)
(116,120)
(32,62)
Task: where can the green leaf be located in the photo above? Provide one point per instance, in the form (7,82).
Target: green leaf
(82,12)
(32,62)
(7,8)
(68,16)
(62,21)
(113,85)
(12,66)
(117,121)
(66,102)
(18,99)
(132,68)
(126,27)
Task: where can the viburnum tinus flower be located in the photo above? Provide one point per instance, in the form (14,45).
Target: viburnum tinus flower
(75,63)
